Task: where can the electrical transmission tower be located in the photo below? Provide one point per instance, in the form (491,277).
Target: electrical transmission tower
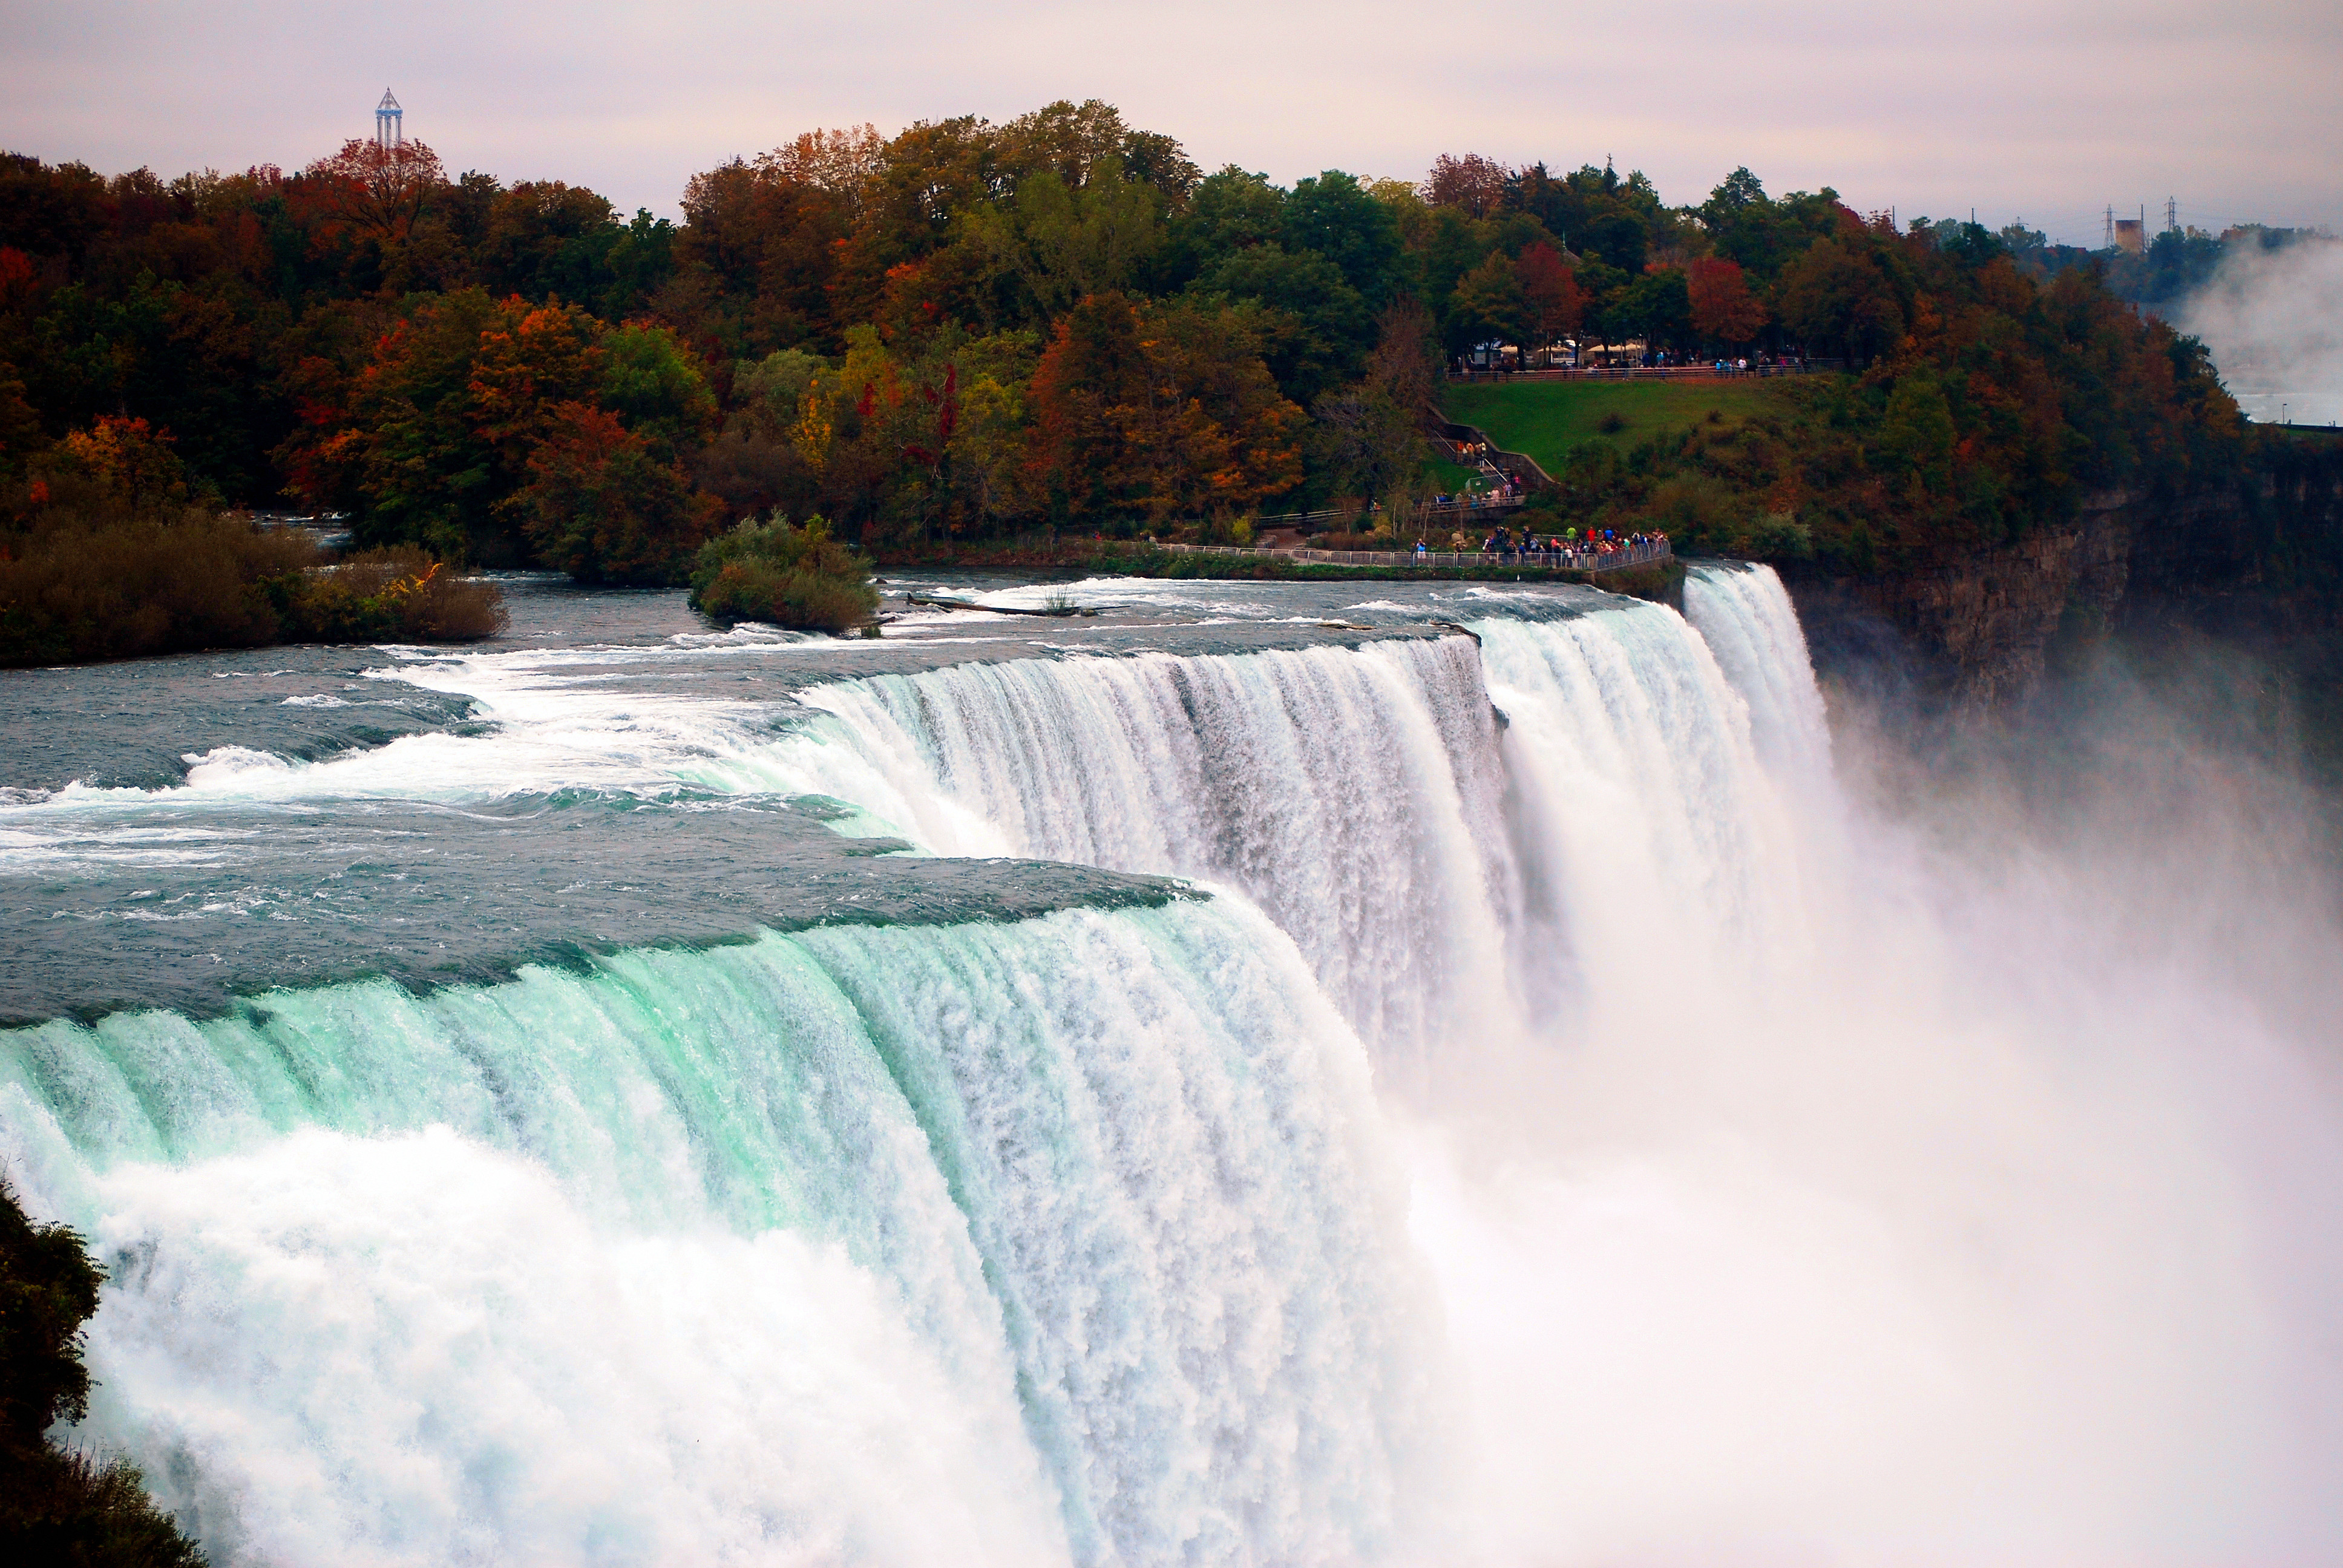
(389,123)
(2108,245)
(2172,214)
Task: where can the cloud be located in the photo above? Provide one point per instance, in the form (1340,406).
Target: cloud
(2052,111)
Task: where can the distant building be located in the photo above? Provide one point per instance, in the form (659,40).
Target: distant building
(2131,235)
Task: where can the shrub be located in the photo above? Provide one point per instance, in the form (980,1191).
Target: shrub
(87,573)
(785,576)
(1700,513)
(399,594)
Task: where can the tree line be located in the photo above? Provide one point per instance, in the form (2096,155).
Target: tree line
(962,330)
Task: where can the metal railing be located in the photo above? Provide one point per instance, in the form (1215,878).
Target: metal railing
(1645,372)
(1614,558)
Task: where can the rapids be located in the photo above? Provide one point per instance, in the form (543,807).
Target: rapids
(1479,1080)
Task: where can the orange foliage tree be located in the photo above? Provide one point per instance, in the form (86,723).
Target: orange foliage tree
(1552,300)
(600,505)
(1169,412)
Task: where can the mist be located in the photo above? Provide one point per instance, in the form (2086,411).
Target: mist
(2274,321)
(1972,1198)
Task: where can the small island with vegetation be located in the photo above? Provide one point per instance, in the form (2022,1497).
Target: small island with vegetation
(797,577)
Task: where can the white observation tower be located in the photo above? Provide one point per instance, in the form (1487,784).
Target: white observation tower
(389,123)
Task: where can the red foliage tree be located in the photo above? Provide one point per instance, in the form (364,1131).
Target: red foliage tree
(1722,307)
(1549,292)
(369,191)
(600,506)
(1473,183)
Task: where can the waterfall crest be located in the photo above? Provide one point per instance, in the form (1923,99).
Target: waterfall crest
(1353,794)
(1426,853)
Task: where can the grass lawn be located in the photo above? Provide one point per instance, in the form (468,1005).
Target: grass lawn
(1445,478)
(1545,419)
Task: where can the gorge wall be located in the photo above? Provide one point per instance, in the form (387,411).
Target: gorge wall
(2253,560)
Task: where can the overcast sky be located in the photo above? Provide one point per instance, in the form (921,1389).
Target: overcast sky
(2051,110)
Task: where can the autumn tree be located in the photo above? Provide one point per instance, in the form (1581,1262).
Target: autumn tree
(601,505)
(526,362)
(131,459)
(369,191)
(1474,184)
(758,253)
(843,163)
(1173,416)
(1406,360)
(1722,307)
(1551,301)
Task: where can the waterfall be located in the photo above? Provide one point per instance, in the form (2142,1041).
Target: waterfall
(1423,849)
(1569,1126)
(1353,794)
(983,1243)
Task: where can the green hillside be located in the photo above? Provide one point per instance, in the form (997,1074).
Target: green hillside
(1545,419)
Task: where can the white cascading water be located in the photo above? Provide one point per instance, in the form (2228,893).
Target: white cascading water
(1069,1238)
(1791,1190)
(1450,876)
(1353,794)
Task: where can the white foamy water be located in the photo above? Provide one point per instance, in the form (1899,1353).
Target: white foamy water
(1004,1244)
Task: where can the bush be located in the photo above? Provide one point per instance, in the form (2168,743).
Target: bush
(86,572)
(1353,541)
(784,576)
(57,1506)
(395,595)
(1700,513)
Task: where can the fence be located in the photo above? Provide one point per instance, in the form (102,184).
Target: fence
(1649,372)
(1614,558)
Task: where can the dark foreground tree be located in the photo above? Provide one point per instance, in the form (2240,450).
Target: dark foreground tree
(56,1505)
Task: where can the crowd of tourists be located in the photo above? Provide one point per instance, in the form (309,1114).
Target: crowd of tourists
(1568,550)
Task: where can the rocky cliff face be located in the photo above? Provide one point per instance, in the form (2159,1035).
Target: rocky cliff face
(1976,631)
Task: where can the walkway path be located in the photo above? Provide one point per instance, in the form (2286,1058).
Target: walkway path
(1579,560)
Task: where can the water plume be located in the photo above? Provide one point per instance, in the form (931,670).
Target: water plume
(2274,321)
